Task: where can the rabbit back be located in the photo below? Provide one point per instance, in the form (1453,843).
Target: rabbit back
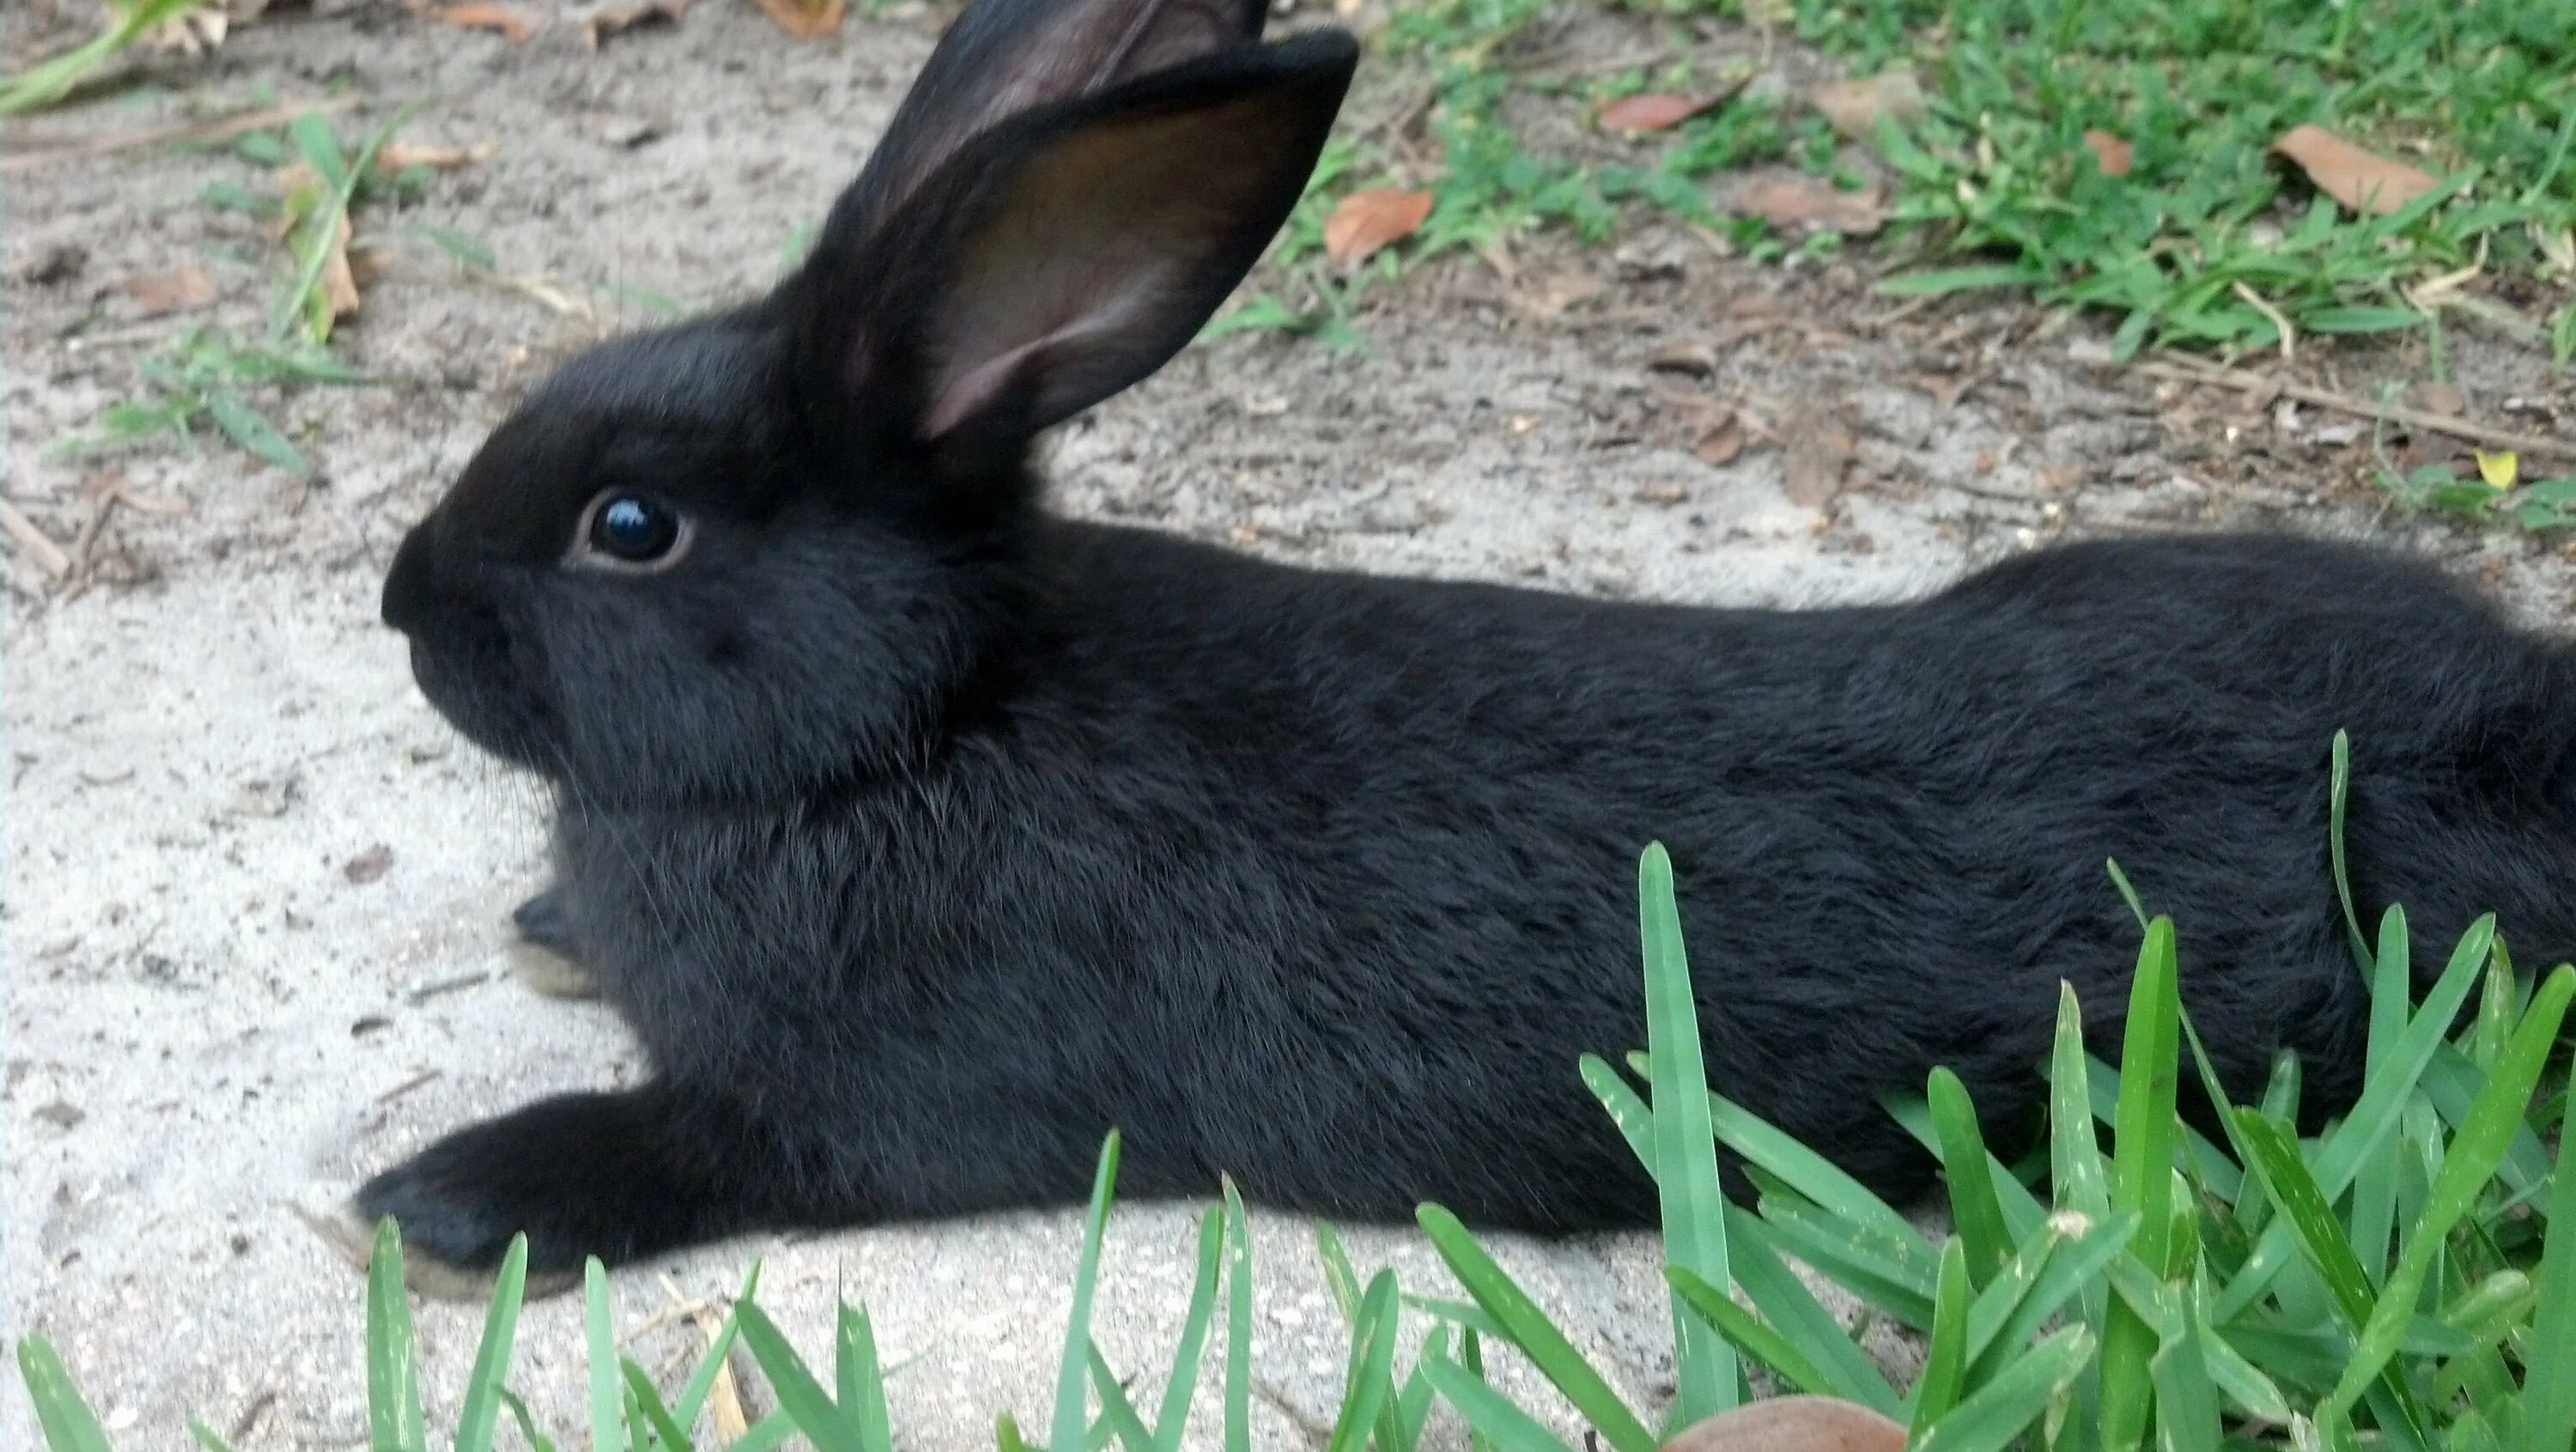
(1325,881)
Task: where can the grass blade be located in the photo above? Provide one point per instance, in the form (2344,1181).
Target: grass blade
(2010,1311)
(861,1380)
(2374,1186)
(2549,1354)
(703,1380)
(1125,1426)
(2074,1148)
(1371,1375)
(1412,1407)
(482,1406)
(1990,1420)
(1238,1325)
(1494,1420)
(801,1399)
(393,1375)
(1537,1337)
(2338,796)
(68,1423)
(1072,1402)
(1945,1362)
(2142,1181)
(2469,1165)
(1748,1334)
(1685,1140)
(1174,1415)
(1797,1316)
(537,1441)
(2307,1214)
(645,1404)
(769,1432)
(607,1394)
(2186,1397)
(1978,1216)
(2374,1116)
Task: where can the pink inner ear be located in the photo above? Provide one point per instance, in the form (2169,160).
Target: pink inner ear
(962,394)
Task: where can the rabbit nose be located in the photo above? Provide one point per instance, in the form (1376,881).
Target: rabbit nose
(409,585)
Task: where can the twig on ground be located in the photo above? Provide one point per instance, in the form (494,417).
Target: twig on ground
(2414,418)
(2279,321)
(39,548)
(724,1397)
(405,1087)
(212,128)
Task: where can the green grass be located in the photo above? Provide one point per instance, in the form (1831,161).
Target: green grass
(49,81)
(210,376)
(2404,1281)
(2206,242)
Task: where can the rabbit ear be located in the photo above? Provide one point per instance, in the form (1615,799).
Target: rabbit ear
(1005,57)
(1068,253)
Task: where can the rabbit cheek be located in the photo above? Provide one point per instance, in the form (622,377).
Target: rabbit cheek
(467,664)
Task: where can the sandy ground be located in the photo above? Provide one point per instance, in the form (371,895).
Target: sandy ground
(218,1011)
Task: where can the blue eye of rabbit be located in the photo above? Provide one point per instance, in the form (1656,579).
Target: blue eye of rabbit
(634,529)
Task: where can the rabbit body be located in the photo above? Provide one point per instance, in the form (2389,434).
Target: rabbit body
(923,836)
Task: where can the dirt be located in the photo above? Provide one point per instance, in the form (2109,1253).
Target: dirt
(256,890)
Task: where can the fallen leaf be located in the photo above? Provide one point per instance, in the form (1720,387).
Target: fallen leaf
(369,865)
(1792,1424)
(1653,111)
(2109,152)
(1719,446)
(1372,218)
(608,17)
(1812,461)
(514,25)
(2361,180)
(1855,107)
(339,284)
(400,156)
(1554,296)
(802,20)
(2500,468)
(1794,199)
(192,33)
(2442,397)
(178,290)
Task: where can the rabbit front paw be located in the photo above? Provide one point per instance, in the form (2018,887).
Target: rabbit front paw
(546,955)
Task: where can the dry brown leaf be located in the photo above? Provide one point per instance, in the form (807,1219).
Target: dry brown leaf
(1653,111)
(1372,218)
(2361,180)
(1719,445)
(396,156)
(1794,199)
(514,25)
(802,20)
(608,17)
(339,284)
(1812,461)
(178,290)
(1792,1424)
(1854,107)
(2109,152)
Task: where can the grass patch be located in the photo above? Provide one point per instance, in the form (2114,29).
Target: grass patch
(2406,1280)
(2206,241)
(207,377)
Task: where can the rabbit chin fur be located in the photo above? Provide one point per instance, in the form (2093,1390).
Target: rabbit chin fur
(923,836)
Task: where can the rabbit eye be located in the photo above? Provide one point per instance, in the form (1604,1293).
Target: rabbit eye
(625,529)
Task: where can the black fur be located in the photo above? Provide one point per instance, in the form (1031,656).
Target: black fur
(923,837)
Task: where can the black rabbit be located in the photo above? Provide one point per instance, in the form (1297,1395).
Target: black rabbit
(923,836)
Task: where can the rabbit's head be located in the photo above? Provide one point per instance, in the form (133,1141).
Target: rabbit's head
(776,549)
